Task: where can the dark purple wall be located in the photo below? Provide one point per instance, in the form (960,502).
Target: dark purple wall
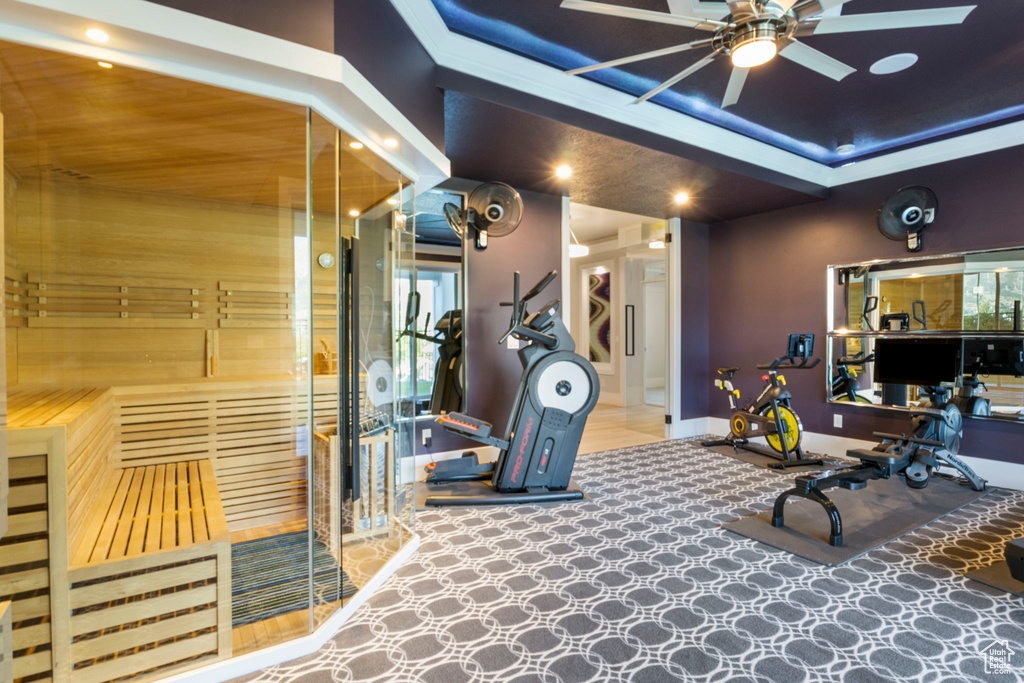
(372,35)
(768,280)
(493,370)
(309,22)
(693,269)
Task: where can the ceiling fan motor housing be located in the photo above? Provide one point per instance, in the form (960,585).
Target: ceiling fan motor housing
(730,39)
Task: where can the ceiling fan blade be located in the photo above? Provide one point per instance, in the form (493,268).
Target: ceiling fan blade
(693,68)
(638,58)
(643,14)
(879,21)
(735,87)
(810,8)
(815,60)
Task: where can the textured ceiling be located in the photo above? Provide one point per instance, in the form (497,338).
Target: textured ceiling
(969,75)
(486,141)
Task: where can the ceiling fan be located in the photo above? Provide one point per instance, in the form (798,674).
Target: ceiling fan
(755,31)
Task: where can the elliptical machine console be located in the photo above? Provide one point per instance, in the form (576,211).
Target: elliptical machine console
(557,391)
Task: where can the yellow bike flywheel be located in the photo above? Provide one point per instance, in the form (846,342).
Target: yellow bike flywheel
(793,427)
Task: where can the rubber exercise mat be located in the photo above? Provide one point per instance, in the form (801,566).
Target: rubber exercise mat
(767,461)
(270,576)
(885,510)
(997,576)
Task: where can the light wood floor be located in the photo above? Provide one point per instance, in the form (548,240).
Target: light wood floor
(611,427)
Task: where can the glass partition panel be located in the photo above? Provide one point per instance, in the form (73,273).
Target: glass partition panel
(160,317)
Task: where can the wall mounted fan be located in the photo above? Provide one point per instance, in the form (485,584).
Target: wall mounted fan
(493,210)
(907,212)
(757,30)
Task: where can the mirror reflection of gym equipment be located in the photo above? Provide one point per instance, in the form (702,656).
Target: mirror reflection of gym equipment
(620,318)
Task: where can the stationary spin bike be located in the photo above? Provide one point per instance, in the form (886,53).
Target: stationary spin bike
(770,415)
(557,391)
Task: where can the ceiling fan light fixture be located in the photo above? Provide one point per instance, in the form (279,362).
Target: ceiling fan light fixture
(754,51)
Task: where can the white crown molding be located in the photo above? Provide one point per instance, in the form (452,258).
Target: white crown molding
(465,55)
(472,57)
(175,43)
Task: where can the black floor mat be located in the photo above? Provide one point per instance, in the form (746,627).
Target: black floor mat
(885,510)
(998,576)
(767,461)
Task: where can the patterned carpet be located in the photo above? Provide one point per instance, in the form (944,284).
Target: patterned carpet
(270,576)
(641,584)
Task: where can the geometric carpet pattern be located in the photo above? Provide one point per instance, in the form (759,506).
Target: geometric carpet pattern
(642,584)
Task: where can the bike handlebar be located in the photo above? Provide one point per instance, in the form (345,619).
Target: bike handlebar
(859,359)
(781,364)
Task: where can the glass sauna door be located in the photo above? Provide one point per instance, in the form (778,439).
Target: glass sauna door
(359,237)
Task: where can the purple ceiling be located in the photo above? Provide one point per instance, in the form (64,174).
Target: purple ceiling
(969,76)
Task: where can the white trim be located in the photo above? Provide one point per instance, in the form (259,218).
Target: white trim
(673,298)
(1007,475)
(174,43)
(496,65)
(566,266)
(695,426)
(299,647)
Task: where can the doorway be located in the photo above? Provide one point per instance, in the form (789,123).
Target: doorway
(619,321)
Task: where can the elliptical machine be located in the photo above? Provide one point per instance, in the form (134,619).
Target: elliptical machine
(447,391)
(557,391)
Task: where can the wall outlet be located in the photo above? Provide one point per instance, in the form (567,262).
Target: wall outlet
(512,343)
(837,421)
(426,437)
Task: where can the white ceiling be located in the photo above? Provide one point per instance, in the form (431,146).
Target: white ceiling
(590,223)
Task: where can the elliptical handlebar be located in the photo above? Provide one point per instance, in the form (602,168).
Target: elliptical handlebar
(518,304)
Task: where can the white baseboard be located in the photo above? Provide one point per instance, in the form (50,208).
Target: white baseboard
(412,468)
(1007,475)
(299,647)
(695,426)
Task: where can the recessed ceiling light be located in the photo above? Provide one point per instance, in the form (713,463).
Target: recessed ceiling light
(681,198)
(893,63)
(353,213)
(564,171)
(390,142)
(105,65)
(392,201)
(97,34)
(355,144)
(657,244)
(847,148)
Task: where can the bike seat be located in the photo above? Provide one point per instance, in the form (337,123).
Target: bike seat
(875,457)
(727,371)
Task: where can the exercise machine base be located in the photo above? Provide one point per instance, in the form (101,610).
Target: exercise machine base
(762,457)
(481,494)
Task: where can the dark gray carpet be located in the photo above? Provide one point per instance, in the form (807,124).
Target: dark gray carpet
(642,584)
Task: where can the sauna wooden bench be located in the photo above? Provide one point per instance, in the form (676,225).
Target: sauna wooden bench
(139,557)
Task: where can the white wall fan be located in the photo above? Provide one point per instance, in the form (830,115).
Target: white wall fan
(756,31)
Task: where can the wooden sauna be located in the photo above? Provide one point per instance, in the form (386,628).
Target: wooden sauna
(184,332)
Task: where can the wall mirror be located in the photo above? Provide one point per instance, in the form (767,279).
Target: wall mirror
(433,339)
(910,330)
